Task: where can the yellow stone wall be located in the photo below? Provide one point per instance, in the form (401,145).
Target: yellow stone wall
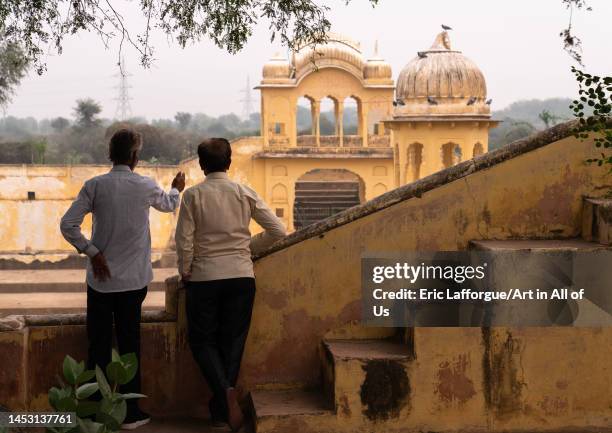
(33,225)
(425,147)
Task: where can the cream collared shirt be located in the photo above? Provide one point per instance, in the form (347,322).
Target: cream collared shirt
(213,240)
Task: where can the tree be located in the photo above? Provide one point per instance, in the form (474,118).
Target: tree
(549,119)
(182,119)
(86,112)
(13,67)
(59,124)
(228,23)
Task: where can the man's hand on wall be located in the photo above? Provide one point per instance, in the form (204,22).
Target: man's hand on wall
(179,181)
(100,267)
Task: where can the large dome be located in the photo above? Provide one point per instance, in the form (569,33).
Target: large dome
(441,81)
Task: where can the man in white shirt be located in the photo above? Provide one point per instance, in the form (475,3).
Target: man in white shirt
(214,248)
(120,268)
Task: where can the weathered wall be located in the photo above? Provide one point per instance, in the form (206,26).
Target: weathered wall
(503,378)
(530,379)
(33,225)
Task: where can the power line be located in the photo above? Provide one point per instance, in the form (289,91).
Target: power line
(247,100)
(124,108)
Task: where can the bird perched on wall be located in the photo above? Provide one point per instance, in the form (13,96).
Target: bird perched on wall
(489,101)
(432,101)
(398,102)
(471,101)
(445,27)
(422,54)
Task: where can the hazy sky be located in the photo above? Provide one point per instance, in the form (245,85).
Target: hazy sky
(516,44)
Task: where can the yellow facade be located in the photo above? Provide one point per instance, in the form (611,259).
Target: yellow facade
(437,116)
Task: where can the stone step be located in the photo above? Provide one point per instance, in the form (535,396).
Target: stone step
(536,245)
(367,380)
(597,220)
(61,303)
(63,280)
(281,411)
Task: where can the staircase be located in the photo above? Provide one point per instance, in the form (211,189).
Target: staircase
(317,200)
(365,384)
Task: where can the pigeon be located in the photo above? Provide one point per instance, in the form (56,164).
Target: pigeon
(471,101)
(445,27)
(422,54)
(432,101)
(489,101)
(398,102)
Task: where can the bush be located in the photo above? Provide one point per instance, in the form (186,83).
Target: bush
(104,415)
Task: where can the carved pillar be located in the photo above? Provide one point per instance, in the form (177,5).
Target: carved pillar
(339,113)
(362,129)
(316,114)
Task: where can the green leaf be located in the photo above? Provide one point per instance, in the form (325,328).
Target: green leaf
(130,363)
(54,397)
(116,372)
(87,390)
(86,376)
(66,404)
(89,426)
(103,383)
(70,370)
(131,395)
(87,408)
(115,355)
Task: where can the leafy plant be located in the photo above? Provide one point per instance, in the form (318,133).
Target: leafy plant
(595,94)
(104,415)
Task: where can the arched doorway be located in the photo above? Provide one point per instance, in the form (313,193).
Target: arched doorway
(451,154)
(322,193)
(305,122)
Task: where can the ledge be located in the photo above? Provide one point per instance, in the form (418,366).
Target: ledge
(421,186)
(327,152)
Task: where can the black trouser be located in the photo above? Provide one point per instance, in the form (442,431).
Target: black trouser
(125,308)
(219,315)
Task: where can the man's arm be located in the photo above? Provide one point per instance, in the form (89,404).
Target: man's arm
(274,229)
(70,225)
(185,229)
(168,202)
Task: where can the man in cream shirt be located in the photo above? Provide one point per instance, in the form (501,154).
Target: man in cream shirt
(214,248)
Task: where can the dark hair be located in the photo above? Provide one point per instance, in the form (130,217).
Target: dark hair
(215,154)
(123,144)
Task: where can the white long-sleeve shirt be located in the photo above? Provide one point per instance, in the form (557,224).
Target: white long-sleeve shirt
(120,202)
(213,240)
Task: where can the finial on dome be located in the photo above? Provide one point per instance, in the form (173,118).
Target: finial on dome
(376,48)
(442,42)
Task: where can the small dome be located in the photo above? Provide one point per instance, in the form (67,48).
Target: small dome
(338,51)
(376,68)
(278,67)
(441,81)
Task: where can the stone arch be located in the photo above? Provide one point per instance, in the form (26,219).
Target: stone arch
(452,154)
(279,193)
(321,193)
(478,150)
(415,161)
(379,189)
(306,121)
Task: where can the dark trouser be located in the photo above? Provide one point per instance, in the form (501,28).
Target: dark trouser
(219,315)
(125,307)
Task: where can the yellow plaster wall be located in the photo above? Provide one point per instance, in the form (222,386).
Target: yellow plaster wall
(33,225)
(503,378)
(432,136)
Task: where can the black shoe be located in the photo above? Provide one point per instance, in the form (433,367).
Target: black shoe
(135,419)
